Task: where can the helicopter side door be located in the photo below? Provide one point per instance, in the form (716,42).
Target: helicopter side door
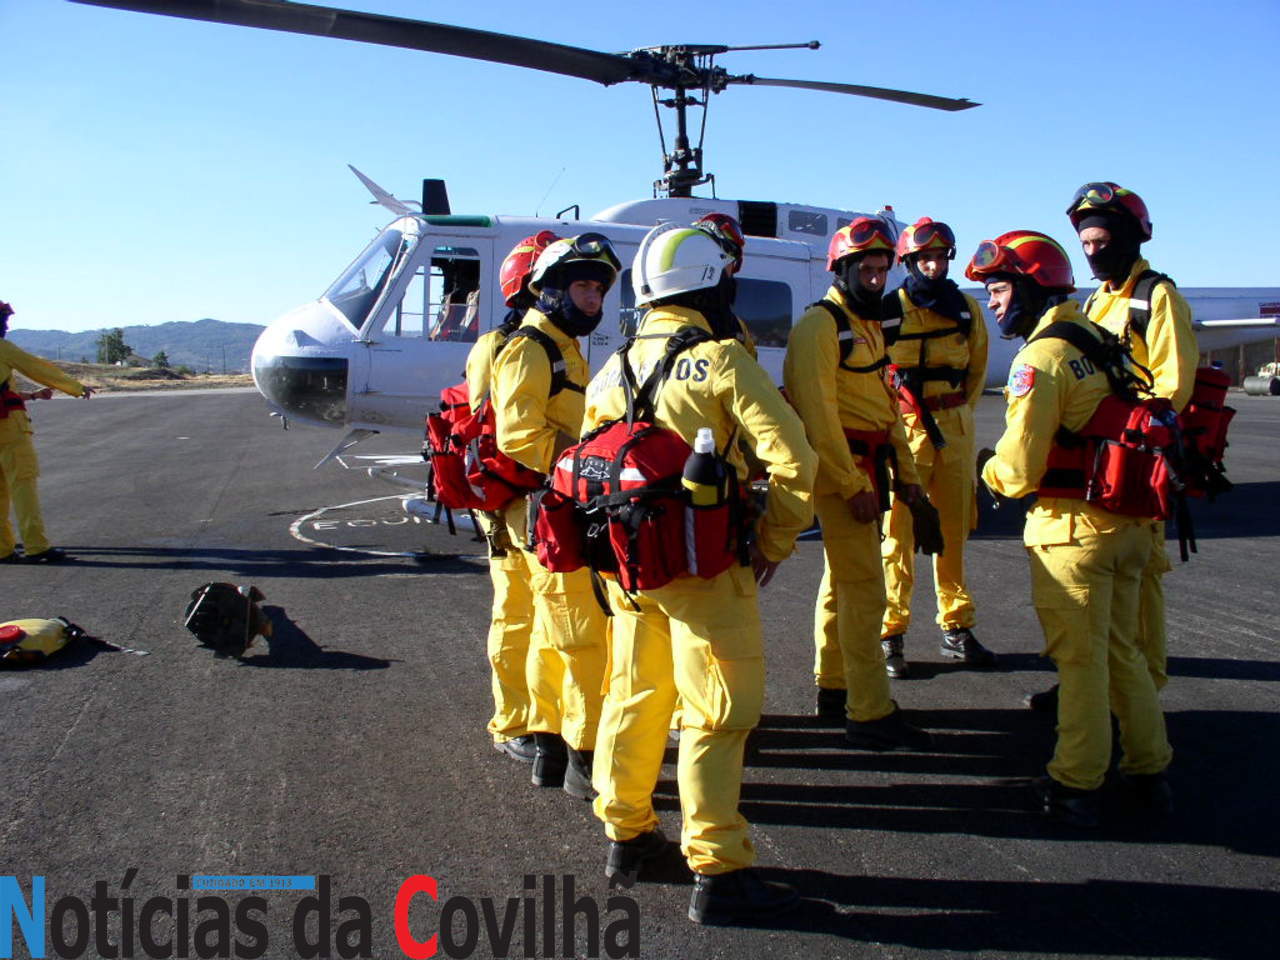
(417,342)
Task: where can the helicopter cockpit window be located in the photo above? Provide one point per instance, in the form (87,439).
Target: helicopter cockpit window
(806,221)
(448,294)
(763,305)
(355,292)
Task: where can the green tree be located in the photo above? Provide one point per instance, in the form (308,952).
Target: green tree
(160,360)
(112,348)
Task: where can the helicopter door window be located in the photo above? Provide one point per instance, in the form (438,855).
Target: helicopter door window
(806,221)
(355,292)
(452,294)
(765,307)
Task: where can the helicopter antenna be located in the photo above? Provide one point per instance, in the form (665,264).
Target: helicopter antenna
(554,181)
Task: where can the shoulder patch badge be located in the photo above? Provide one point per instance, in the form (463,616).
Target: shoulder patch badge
(1021,379)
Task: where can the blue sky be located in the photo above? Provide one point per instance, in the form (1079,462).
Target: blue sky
(156,169)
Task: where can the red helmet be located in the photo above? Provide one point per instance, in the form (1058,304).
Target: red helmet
(519,263)
(926,234)
(727,232)
(864,235)
(1024,253)
(1105,195)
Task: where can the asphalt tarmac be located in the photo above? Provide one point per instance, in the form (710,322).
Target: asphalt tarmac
(352,744)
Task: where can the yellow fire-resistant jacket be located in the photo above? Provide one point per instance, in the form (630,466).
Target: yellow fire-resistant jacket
(1169,349)
(957,351)
(1050,386)
(529,425)
(480,366)
(720,387)
(830,399)
(15,359)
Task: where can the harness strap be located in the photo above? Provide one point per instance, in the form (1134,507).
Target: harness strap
(845,335)
(559,370)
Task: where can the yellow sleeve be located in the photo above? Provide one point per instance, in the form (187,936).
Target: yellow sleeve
(979,345)
(1031,421)
(774,431)
(479,369)
(520,388)
(38,369)
(809,373)
(1173,353)
(906,472)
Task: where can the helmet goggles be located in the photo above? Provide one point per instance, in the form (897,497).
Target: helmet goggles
(989,259)
(593,246)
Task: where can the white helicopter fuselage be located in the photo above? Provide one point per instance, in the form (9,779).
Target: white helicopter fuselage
(373,353)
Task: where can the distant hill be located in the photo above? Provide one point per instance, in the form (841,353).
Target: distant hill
(199,345)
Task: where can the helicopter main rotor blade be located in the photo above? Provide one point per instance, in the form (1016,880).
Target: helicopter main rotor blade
(877,93)
(605,68)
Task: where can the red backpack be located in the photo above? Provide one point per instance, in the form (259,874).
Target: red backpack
(468,471)
(1128,458)
(615,501)
(1206,418)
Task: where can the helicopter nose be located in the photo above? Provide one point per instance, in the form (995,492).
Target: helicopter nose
(298,367)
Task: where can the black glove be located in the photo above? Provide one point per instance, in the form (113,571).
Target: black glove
(985,454)
(926,527)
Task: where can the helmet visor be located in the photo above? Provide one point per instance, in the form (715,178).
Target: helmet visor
(991,258)
(864,231)
(596,246)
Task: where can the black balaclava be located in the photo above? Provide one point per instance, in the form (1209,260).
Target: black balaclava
(868,304)
(6,312)
(1114,261)
(555,302)
(714,303)
(520,305)
(940,295)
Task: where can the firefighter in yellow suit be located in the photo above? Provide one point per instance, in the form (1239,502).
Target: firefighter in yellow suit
(19,466)
(834,374)
(940,360)
(1112,224)
(1086,563)
(537,414)
(509,566)
(698,638)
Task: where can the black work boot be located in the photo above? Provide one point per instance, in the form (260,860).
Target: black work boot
(738,895)
(52,555)
(889,732)
(628,857)
(895,664)
(831,705)
(1149,793)
(1046,701)
(518,748)
(1067,806)
(577,776)
(961,644)
(550,760)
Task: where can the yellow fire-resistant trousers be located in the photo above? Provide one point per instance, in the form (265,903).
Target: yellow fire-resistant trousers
(947,476)
(509,632)
(568,644)
(1152,639)
(850,608)
(701,639)
(1086,596)
(19,470)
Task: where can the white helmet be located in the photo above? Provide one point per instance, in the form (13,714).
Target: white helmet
(591,249)
(676,258)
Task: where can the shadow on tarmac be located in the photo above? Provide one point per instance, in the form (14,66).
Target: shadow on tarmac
(290,647)
(1026,917)
(304,563)
(999,753)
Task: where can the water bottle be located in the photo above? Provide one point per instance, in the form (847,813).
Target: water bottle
(704,472)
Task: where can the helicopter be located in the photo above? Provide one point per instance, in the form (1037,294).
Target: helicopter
(372,353)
